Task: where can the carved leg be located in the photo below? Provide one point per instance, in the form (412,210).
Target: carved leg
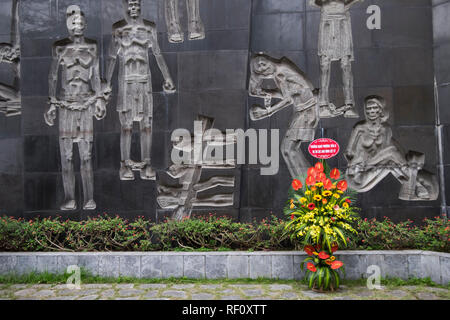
(126,172)
(173,22)
(68,176)
(214,182)
(324,99)
(87,174)
(219,200)
(347,79)
(147,173)
(295,160)
(195,24)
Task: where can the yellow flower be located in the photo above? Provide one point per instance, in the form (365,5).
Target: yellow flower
(336,196)
(317,197)
(307,192)
(345,205)
(292,206)
(303,200)
(292,200)
(340,191)
(333,258)
(319,184)
(327,193)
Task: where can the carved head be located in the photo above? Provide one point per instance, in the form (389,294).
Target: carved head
(375,108)
(262,66)
(76,23)
(133,8)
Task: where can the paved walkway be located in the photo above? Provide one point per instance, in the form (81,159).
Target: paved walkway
(199,291)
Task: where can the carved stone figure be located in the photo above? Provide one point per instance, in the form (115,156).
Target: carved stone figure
(131,40)
(10,100)
(336,44)
(184,198)
(81,98)
(294,89)
(372,154)
(196,29)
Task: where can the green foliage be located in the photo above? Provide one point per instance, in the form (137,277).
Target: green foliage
(208,233)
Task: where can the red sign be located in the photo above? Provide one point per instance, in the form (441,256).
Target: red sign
(323,148)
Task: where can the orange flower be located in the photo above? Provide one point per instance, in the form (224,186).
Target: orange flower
(328,184)
(309,250)
(324,201)
(311,267)
(342,185)
(328,262)
(336,265)
(322,177)
(313,188)
(297,184)
(323,255)
(319,167)
(312,172)
(311,206)
(310,180)
(335,174)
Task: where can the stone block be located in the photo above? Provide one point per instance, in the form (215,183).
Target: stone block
(396,266)
(431,266)
(109,266)
(90,263)
(172,266)
(282,267)
(216,266)
(130,266)
(194,266)
(47,263)
(238,266)
(445,270)
(260,266)
(151,266)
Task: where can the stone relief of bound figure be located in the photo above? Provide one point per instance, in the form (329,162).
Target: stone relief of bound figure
(292,89)
(10,100)
(81,98)
(184,198)
(196,30)
(372,154)
(336,44)
(131,40)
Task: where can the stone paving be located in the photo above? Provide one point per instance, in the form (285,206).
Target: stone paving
(205,291)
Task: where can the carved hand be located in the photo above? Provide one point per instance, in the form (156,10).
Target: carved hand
(168,86)
(100,109)
(258,113)
(50,115)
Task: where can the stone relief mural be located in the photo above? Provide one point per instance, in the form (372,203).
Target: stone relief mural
(336,44)
(373,153)
(294,89)
(196,30)
(184,198)
(10,99)
(131,40)
(81,98)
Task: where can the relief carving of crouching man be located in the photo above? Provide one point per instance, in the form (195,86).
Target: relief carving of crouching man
(293,88)
(131,40)
(336,44)
(81,98)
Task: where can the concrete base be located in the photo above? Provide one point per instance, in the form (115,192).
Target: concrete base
(232,264)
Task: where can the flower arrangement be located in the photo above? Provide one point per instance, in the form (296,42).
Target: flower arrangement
(321,214)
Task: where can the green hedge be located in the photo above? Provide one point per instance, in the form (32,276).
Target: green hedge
(105,233)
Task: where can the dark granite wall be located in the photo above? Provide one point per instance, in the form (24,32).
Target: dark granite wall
(211,77)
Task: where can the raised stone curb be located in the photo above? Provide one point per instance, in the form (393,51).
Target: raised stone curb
(232,264)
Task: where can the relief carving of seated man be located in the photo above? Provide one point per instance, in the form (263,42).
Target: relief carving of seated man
(373,153)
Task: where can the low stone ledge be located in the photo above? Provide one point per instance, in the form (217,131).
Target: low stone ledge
(227,264)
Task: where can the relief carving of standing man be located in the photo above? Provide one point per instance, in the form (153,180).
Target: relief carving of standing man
(131,40)
(196,29)
(336,44)
(81,98)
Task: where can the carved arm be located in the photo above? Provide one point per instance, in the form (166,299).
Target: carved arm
(168,86)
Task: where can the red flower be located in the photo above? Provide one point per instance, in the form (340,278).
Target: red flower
(311,267)
(349,201)
(297,184)
(322,177)
(310,180)
(328,184)
(312,172)
(334,248)
(309,250)
(292,216)
(342,185)
(323,255)
(319,167)
(311,206)
(335,174)
(318,247)
(336,265)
